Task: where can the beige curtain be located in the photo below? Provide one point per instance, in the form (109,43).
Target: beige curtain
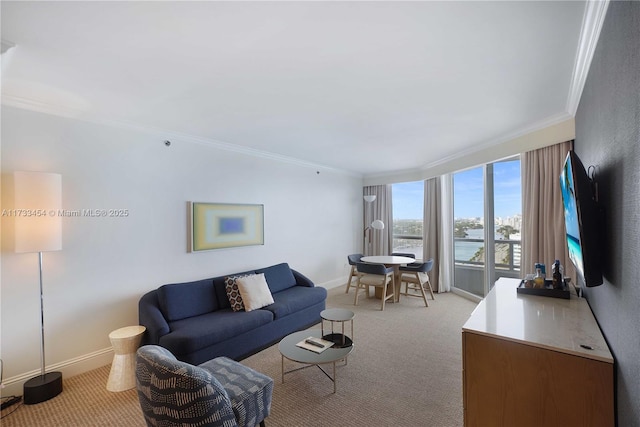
(432,229)
(378,242)
(543,234)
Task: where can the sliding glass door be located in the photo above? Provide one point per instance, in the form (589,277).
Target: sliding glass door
(468,231)
(507,199)
(487,210)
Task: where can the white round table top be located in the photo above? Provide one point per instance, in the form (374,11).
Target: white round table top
(291,351)
(127,332)
(388,259)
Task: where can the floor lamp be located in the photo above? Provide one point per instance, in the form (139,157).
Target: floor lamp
(38,228)
(376,224)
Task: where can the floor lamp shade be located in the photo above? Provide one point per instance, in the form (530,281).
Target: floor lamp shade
(38,198)
(377,224)
(38,228)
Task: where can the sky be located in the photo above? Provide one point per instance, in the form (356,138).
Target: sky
(468,193)
(408,200)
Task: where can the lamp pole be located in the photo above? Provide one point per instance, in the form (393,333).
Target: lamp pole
(48,384)
(41,317)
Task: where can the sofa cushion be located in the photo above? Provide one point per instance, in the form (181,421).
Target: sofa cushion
(295,299)
(182,300)
(255,292)
(233,293)
(192,334)
(279,277)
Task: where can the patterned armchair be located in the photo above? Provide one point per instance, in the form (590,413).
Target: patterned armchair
(220,392)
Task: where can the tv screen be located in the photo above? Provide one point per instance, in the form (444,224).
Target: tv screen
(582,221)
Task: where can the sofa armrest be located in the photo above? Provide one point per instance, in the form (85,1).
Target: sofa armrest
(302,280)
(150,316)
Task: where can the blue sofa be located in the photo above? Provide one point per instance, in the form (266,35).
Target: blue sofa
(195,322)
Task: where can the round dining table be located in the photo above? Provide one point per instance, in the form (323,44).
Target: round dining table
(391,261)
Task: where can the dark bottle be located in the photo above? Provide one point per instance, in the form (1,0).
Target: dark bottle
(556,275)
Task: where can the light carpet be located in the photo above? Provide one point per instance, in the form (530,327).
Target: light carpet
(405,370)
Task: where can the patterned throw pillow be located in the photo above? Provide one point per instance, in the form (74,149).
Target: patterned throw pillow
(235,299)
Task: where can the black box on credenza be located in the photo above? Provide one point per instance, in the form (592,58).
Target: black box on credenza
(547,291)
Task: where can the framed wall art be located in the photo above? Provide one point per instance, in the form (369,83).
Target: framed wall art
(223,225)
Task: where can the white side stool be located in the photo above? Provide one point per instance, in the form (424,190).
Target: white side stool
(125,342)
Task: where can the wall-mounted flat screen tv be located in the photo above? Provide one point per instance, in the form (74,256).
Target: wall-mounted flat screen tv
(582,221)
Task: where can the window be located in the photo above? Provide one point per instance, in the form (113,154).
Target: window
(507,199)
(468,230)
(408,214)
(487,210)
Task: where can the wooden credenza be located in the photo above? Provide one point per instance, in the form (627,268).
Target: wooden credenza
(535,361)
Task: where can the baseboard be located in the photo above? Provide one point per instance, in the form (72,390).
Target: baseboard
(465,294)
(333,284)
(12,386)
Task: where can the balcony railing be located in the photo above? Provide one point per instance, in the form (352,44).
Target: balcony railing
(469,275)
(408,243)
(507,256)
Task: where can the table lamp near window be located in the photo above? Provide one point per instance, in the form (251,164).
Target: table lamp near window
(38,228)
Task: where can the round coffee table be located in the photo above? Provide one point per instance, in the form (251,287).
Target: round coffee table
(289,350)
(340,315)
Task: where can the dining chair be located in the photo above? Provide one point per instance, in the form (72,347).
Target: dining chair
(377,275)
(413,279)
(353,260)
(404,254)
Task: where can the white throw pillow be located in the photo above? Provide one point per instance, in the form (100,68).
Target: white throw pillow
(254,291)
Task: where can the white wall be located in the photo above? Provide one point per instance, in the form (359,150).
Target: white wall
(92,286)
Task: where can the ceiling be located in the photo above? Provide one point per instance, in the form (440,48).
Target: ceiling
(364,87)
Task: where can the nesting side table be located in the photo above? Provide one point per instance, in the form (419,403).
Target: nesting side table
(337,315)
(125,342)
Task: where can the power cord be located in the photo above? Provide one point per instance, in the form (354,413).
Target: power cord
(11,400)
(591,174)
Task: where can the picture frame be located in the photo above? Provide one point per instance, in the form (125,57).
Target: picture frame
(224,225)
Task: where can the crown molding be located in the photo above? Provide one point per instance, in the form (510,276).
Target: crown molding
(594,14)
(41,107)
(220,145)
(425,171)
(548,122)
(82,115)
